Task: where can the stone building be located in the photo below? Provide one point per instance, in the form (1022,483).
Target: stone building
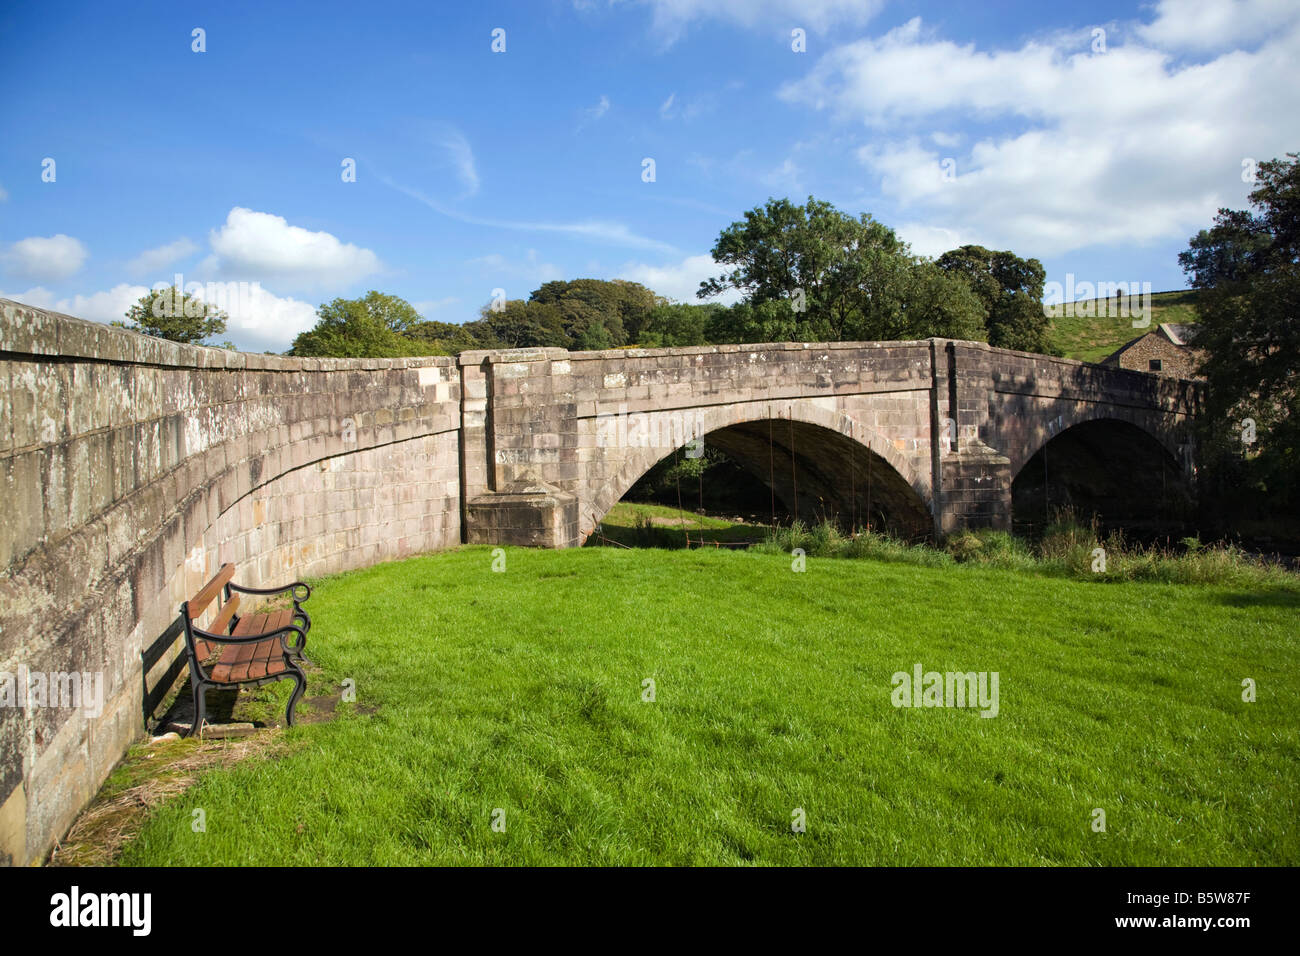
(1163,350)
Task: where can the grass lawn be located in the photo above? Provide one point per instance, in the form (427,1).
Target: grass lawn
(1092,338)
(626,523)
(523,691)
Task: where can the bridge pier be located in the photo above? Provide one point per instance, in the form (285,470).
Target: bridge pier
(972,480)
(527,513)
(974,490)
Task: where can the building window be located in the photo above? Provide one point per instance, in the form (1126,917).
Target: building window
(1153,365)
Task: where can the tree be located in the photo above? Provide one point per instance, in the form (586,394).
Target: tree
(936,303)
(813,272)
(372,326)
(519,324)
(172,314)
(1010,289)
(1248,268)
(598,314)
(446,338)
(675,325)
(1227,252)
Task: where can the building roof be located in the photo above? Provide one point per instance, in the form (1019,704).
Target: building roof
(1173,332)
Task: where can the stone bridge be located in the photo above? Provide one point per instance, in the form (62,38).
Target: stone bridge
(918,438)
(132,467)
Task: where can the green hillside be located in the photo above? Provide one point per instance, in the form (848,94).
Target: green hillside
(1093,337)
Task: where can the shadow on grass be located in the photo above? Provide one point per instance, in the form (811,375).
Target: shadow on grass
(676,539)
(1273,597)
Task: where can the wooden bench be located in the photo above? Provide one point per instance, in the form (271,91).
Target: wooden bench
(244,649)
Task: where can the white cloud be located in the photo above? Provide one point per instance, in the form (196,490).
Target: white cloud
(4,196)
(262,321)
(932,241)
(152,260)
(107,306)
(1199,25)
(671,18)
(1125,147)
(258,245)
(427,307)
(44,258)
(690,108)
(614,233)
(784,177)
(258,320)
(498,269)
(678,280)
(461,156)
(600,109)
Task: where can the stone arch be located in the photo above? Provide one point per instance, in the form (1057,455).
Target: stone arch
(714,419)
(1169,429)
(1117,468)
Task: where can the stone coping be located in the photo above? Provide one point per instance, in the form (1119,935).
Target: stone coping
(28,330)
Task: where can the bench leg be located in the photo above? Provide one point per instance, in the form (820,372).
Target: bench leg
(302,641)
(200,705)
(300,688)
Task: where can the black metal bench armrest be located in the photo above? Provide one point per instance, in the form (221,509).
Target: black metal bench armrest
(282,633)
(297,599)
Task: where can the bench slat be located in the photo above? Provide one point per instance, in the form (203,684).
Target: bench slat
(251,624)
(221,623)
(232,659)
(243,654)
(258,667)
(210,590)
(245,662)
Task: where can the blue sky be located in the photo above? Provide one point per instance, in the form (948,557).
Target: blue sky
(478,170)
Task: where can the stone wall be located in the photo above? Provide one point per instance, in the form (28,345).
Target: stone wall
(132,467)
(1176,361)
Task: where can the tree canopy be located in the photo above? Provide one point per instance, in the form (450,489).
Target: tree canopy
(1010,290)
(375,326)
(1247,265)
(815,273)
(173,314)
(598,314)
(806,273)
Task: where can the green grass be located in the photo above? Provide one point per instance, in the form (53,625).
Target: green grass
(1092,338)
(522,690)
(640,525)
(1067,548)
